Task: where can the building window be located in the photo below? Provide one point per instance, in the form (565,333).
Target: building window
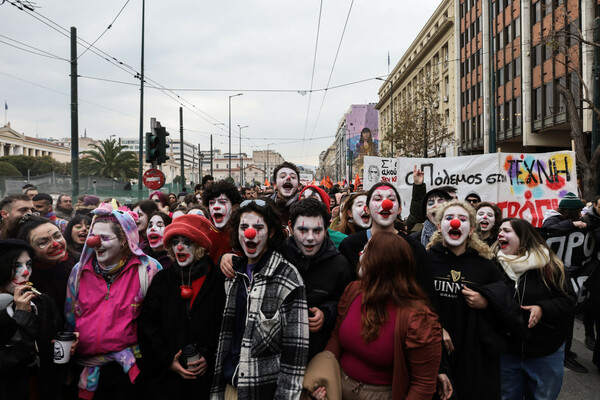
(549,94)
(517,27)
(517,65)
(537,103)
(536,14)
(518,111)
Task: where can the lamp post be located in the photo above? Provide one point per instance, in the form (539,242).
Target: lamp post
(391,115)
(233,95)
(241,159)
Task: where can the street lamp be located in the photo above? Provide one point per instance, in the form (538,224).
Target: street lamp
(241,159)
(391,114)
(233,95)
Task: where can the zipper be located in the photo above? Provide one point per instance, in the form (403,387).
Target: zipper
(107,291)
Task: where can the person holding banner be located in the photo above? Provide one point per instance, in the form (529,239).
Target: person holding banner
(533,365)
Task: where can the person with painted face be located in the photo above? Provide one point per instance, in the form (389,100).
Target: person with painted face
(53,263)
(287,178)
(355,216)
(181,315)
(325,271)
(220,199)
(429,207)
(315,192)
(473,303)
(76,234)
(533,366)
(104,299)
(144,209)
(489,217)
(29,320)
(263,345)
(161,199)
(155,234)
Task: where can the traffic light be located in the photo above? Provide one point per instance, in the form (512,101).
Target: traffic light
(162,145)
(152,149)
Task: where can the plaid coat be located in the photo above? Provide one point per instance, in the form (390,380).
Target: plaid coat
(275,342)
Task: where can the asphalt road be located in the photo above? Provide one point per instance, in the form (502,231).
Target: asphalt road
(581,386)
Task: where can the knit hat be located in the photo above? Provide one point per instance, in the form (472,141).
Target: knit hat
(322,194)
(91,200)
(433,192)
(571,202)
(192,226)
(473,194)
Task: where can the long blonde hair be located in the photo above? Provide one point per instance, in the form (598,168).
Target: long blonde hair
(473,241)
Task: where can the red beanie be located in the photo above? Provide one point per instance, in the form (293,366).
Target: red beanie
(192,226)
(324,196)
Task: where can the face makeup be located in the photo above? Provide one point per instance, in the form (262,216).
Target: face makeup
(220,210)
(309,233)
(360,213)
(110,250)
(287,182)
(183,249)
(381,215)
(155,232)
(22,273)
(508,240)
(49,244)
(254,244)
(432,203)
(455,226)
(486,219)
(79,233)
(142,222)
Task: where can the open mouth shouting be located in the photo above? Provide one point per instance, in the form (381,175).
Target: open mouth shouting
(218,217)
(82,235)
(503,243)
(288,186)
(182,257)
(454,234)
(484,223)
(251,247)
(154,239)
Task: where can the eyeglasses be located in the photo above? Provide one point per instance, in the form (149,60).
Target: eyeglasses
(258,202)
(104,238)
(42,243)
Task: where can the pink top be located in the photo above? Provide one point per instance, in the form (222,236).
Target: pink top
(371,363)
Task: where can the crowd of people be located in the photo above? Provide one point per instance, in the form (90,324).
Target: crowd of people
(285,293)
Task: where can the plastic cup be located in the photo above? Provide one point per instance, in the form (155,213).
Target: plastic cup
(189,354)
(63,341)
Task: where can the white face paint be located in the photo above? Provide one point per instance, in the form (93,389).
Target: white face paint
(309,233)
(155,232)
(111,250)
(486,219)
(178,213)
(220,210)
(433,202)
(196,211)
(183,248)
(49,244)
(455,236)
(360,213)
(508,240)
(22,273)
(309,193)
(379,216)
(287,182)
(142,222)
(253,248)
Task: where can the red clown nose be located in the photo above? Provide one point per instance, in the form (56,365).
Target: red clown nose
(455,224)
(93,241)
(387,204)
(250,233)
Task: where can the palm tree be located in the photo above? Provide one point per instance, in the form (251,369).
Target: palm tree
(109,159)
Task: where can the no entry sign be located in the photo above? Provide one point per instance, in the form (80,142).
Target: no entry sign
(153,179)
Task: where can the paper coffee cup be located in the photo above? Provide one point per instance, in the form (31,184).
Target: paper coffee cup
(189,354)
(63,341)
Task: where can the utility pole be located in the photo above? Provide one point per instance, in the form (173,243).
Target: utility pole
(492,133)
(181,148)
(241,157)
(595,124)
(211,157)
(141,152)
(74,117)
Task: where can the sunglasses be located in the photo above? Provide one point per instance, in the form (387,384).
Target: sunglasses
(258,202)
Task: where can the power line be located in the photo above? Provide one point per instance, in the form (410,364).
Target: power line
(106,30)
(35,51)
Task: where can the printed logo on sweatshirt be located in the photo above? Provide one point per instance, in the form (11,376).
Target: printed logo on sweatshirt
(450,285)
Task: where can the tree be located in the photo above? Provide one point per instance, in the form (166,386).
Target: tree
(419,128)
(109,159)
(37,165)
(566,42)
(7,169)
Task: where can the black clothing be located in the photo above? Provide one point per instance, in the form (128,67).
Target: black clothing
(478,335)
(325,276)
(162,257)
(416,215)
(558,222)
(52,279)
(167,324)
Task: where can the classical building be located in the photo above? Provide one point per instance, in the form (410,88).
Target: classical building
(15,143)
(267,160)
(327,164)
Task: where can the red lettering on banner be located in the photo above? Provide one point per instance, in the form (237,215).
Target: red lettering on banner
(532,211)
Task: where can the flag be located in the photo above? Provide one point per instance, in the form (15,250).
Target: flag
(267,184)
(5,105)
(388,59)
(357,181)
(345,183)
(313,182)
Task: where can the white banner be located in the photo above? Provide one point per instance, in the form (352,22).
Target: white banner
(523,185)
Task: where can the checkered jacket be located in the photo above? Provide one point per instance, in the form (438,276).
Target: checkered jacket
(275,341)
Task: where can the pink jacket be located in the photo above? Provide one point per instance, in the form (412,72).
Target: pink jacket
(106,316)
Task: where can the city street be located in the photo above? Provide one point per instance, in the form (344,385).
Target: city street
(581,386)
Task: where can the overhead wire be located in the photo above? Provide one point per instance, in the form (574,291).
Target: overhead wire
(106,30)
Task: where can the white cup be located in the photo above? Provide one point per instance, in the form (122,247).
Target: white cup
(62,347)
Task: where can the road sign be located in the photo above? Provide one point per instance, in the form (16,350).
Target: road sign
(153,179)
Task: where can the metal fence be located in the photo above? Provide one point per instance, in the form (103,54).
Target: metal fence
(55,184)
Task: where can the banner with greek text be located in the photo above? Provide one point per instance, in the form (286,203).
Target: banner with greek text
(523,185)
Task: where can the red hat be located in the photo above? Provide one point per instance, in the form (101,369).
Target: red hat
(192,226)
(324,196)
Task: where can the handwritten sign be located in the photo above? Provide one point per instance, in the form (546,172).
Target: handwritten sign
(523,185)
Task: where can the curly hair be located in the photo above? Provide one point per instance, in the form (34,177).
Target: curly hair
(221,187)
(199,252)
(473,240)
(270,215)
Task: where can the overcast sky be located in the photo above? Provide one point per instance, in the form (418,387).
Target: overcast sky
(204,51)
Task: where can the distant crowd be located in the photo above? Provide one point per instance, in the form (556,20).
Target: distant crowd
(287,292)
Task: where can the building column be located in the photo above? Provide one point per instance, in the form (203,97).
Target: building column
(11,149)
(587,30)
(527,72)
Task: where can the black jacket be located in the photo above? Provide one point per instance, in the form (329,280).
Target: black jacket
(167,324)
(479,336)
(325,275)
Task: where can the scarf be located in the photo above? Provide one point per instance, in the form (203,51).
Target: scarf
(429,229)
(514,266)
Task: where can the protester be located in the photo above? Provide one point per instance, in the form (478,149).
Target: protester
(43,205)
(161,200)
(386,338)
(286,177)
(64,207)
(144,209)
(172,198)
(155,234)
(315,192)
(207,181)
(355,216)
(105,294)
(429,207)
(473,303)
(325,271)
(533,366)
(489,218)
(76,234)
(27,368)
(31,191)
(182,314)
(52,264)
(263,344)
(12,208)
(473,199)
